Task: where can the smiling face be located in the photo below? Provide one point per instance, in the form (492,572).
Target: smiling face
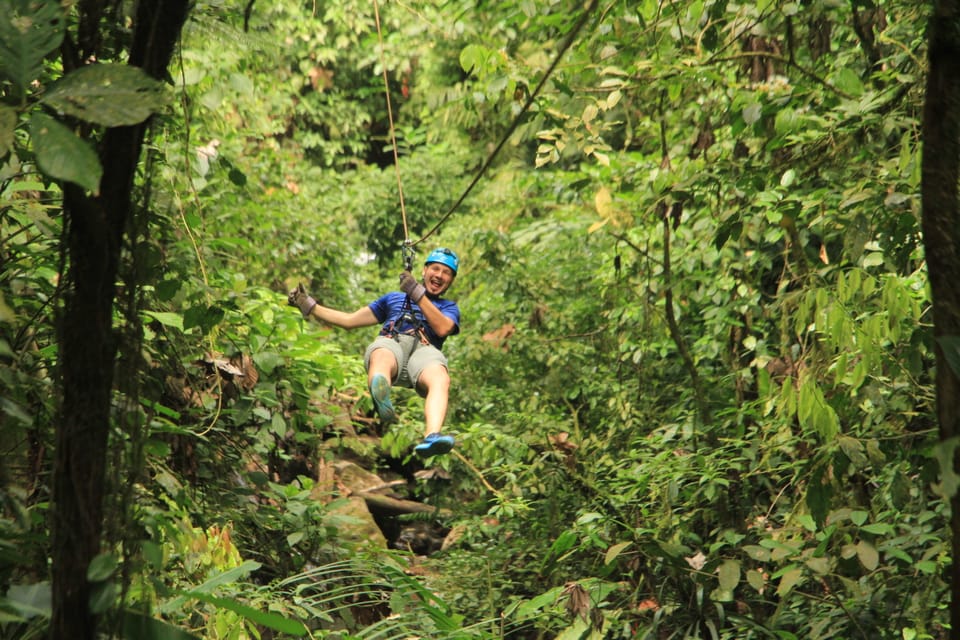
(437,278)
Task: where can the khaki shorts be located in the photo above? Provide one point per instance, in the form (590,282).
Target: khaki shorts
(411,355)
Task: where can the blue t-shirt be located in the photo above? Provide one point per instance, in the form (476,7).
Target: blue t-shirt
(396,314)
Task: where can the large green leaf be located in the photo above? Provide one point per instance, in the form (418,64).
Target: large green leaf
(63,155)
(30,599)
(274,621)
(109,94)
(29,30)
(137,626)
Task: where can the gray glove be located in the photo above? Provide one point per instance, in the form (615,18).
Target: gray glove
(410,286)
(300,299)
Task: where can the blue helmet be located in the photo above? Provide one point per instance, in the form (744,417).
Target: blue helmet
(444,256)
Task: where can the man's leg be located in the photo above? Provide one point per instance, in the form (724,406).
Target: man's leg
(434,383)
(382,367)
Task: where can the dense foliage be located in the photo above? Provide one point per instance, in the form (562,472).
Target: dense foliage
(693,397)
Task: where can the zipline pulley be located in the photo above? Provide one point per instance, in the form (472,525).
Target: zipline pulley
(407,252)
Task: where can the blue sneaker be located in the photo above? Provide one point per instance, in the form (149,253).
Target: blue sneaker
(434,444)
(380,392)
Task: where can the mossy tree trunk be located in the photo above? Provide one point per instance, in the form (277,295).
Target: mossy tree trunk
(88,344)
(941,231)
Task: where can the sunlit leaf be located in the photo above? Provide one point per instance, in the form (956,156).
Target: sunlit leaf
(868,555)
(788,580)
(166,318)
(728,574)
(615,551)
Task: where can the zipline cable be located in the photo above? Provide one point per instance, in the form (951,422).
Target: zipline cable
(393,137)
(407,243)
(571,36)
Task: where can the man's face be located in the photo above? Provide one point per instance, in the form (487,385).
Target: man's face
(437,278)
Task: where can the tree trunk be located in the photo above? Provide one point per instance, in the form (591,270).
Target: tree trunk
(941,233)
(88,345)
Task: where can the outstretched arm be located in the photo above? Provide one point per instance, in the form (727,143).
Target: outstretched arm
(362,317)
(310,308)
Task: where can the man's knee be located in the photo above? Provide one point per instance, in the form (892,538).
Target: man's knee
(435,378)
(384,360)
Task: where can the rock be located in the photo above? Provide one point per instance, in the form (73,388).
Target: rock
(355,524)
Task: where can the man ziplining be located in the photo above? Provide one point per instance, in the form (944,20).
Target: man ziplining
(414,321)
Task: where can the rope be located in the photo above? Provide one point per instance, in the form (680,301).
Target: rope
(407,243)
(516,121)
(393,135)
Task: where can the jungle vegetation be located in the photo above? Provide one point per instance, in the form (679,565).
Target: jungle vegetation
(707,383)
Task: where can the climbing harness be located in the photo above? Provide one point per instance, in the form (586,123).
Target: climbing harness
(414,325)
(407,243)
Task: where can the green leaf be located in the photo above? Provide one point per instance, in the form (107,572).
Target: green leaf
(167,319)
(29,30)
(228,576)
(31,600)
(756,552)
(102,567)
(873,259)
(535,605)
(268,619)
(819,565)
(756,580)
(615,551)
(868,555)
(202,316)
(137,626)
(786,121)
(64,156)
(563,542)
(478,59)
(848,81)
(113,95)
(814,413)
(153,554)
(102,596)
(752,113)
(294,538)
(788,178)
(878,529)
(788,580)
(728,575)
(278,426)
(578,630)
